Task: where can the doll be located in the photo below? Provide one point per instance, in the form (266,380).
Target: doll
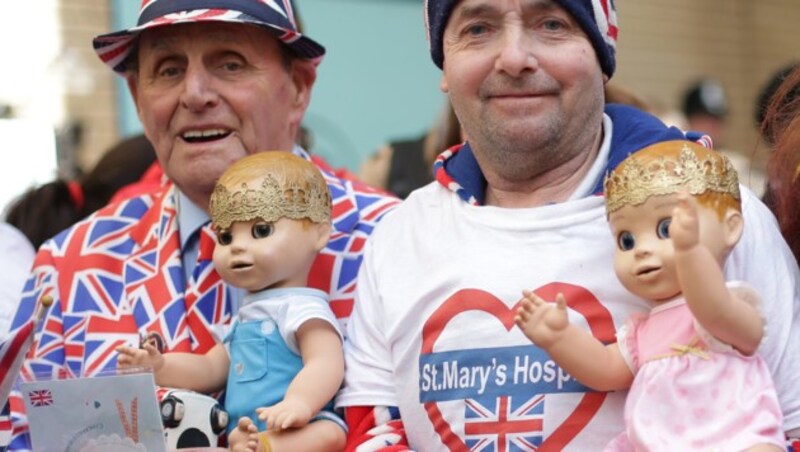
(695,380)
(281,363)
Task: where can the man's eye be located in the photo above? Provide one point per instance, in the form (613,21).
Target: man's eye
(626,241)
(475,29)
(553,25)
(224,237)
(232,66)
(663,228)
(262,230)
(168,71)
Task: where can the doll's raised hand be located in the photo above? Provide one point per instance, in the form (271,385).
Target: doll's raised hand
(542,322)
(684,230)
(147,356)
(285,414)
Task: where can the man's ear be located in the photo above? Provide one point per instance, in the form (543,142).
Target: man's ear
(443,84)
(323,234)
(304,74)
(133,87)
(733,226)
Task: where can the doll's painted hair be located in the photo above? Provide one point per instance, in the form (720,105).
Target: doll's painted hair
(672,167)
(270,186)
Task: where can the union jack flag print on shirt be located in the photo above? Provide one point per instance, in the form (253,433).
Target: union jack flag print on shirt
(118,275)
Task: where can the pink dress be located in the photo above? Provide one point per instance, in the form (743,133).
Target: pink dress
(691,391)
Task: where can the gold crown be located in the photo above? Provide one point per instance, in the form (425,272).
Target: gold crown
(635,183)
(269,202)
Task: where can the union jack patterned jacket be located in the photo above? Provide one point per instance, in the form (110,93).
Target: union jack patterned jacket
(118,275)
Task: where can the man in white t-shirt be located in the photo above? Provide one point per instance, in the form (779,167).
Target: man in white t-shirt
(434,361)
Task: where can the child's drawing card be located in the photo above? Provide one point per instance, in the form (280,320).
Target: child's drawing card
(112,413)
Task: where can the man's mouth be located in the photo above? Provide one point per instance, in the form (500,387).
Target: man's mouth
(204,136)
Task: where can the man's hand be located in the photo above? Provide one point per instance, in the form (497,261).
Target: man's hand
(542,322)
(147,356)
(684,230)
(285,414)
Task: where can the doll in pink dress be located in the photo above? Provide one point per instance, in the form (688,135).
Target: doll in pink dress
(695,379)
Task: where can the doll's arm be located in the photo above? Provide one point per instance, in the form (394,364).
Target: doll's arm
(201,373)
(317,382)
(598,366)
(717,309)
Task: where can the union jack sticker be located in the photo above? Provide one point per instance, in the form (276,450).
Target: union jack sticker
(41,397)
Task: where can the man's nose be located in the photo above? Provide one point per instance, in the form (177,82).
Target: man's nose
(198,89)
(517,51)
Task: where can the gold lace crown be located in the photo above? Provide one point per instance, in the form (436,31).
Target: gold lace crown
(633,182)
(269,202)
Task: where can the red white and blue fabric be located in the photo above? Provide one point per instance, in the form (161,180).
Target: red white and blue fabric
(118,275)
(504,423)
(275,15)
(12,353)
(5,427)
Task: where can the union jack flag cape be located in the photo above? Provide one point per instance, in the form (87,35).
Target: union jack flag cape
(12,352)
(118,276)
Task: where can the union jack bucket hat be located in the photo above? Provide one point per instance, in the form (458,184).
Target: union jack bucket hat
(276,16)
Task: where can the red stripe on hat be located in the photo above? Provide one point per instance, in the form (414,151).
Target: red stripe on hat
(111,54)
(613,31)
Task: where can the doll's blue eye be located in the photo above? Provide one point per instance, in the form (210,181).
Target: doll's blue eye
(262,230)
(663,228)
(224,237)
(626,241)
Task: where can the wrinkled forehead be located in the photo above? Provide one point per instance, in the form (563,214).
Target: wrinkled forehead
(179,35)
(467,9)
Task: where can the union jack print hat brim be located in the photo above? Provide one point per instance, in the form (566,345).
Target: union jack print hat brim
(275,15)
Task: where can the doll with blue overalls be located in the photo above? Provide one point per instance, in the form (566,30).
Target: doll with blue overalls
(281,363)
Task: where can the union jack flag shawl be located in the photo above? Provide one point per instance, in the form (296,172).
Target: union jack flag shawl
(118,275)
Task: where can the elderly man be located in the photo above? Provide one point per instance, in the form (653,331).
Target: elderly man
(213,81)
(433,359)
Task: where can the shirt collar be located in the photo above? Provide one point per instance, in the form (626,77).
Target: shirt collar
(190,217)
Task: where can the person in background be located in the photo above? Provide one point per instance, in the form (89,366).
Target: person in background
(705,107)
(433,361)
(781,127)
(44,211)
(768,129)
(210,86)
(402,166)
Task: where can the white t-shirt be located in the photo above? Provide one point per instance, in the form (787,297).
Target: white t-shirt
(287,310)
(17,257)
(433,332)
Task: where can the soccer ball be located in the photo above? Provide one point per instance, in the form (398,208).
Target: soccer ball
(191,419)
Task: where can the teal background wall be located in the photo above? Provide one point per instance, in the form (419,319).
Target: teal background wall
(376,83)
